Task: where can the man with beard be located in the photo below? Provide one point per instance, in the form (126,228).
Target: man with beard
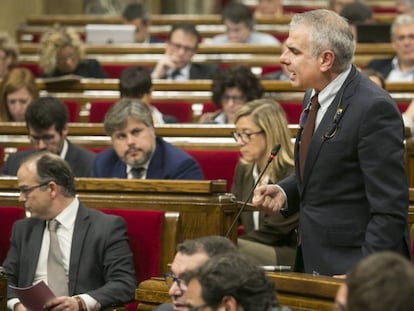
(137,152)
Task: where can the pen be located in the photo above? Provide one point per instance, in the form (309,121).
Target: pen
(277,268)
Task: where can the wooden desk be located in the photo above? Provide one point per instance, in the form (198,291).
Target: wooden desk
(197,19)
(159,48)
(204,206)
(298,291)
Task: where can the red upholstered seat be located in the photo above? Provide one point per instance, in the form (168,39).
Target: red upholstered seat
(8,215)
(402,106)
(113,70)
(293,111)
(73,109)
(144,234)
(98,110)
(217,164)
(209,107)
(182,111)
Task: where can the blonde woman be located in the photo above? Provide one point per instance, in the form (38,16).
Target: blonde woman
(260,124)
(62,53)
(17,90)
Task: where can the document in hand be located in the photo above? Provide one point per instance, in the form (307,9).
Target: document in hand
(34,297)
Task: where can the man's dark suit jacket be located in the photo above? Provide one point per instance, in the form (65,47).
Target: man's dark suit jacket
(168,162)
(79,159)
(202,71)
(153,39)
(384,66)
(354,194)
(101,262)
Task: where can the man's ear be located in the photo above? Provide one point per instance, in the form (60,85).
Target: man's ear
(229,303)
(65,130)
(327,59)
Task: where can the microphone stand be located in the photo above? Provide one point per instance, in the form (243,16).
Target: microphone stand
(272,155)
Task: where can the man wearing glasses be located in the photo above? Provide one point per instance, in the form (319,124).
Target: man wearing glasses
(230,282)
(176,63)
(190,255)
(82,254)
(47,123)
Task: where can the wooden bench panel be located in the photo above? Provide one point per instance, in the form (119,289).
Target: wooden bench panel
(204,206)
(384,11)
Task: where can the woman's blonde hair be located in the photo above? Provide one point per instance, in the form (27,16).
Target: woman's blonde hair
(15,80)
(270,117)
(10,48)
(54,40)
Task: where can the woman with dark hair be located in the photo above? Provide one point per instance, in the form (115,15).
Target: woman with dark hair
(231,89)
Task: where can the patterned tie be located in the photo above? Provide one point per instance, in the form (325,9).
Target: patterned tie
(308,132)
(56,275)
(137,172)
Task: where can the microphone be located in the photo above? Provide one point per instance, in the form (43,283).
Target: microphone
(272,155)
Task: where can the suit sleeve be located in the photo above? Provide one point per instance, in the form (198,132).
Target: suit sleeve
(188,169)
(381,153)
(118,268)
(289,185)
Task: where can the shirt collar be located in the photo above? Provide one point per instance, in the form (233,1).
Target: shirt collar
(327,95)
(67,217)
(64,149)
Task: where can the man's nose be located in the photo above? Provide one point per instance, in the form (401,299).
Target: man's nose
(174,290)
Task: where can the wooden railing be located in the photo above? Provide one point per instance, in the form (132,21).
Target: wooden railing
(204,206)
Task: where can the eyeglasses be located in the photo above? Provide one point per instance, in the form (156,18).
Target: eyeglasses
(170,279)
(235,99)
(245,137)
(194,308)
(177,47)
(27,190)
(47,138)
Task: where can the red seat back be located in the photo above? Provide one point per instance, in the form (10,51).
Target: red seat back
(182,111)
(144,234)
(8,215)
(403,105)
(98,110)
(73,110)
(293,111)
(216,164)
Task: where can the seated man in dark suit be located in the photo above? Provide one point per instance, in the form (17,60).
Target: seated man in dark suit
(399,68)
(47,123)
(137,152)
(176,63)
(137,14)
(82,254)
